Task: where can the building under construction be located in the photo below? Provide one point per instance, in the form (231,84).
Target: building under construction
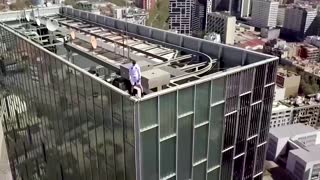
(68,115)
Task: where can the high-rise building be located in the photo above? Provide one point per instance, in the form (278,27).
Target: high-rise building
(298,21)
(187,17)
(238,8)
(145,4)
(198,21)
(221,5)
(315,26)
(264,13)
(209,6)
(313,40)
(281,15)
(223,24)
(205,113)
(246,8)
(180,19)
(191,17)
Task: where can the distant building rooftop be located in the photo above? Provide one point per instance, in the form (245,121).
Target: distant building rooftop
(314,40)
(308,155)
(291,130)
(309,46)
(295,145)
(253,44)
(312,99)
(278,106)
(284,72)
(303,7)
(222,14)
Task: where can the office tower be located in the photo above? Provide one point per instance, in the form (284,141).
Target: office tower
(238,8)
(180,16)
(138,3)
(221,5)
(246,8)
(209,6)
(198,18)
(264,13)
(150,4)
(205,114)
(223,24)
(145,4)
(187,17)
(298,20)
(281,15)
(314,28)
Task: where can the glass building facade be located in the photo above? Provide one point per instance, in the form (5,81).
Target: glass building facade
(62,123)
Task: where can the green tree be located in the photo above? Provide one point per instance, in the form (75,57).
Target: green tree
(118,2)
(308,83)
(2,7)
(315,87)
(305,88)
(158,16)
(20,4)
(70,2)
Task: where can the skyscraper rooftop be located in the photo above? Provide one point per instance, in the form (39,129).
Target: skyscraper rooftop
(80,122)
(184,58)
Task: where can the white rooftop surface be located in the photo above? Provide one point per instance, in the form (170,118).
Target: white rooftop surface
(280,107)
(142,46)
(309,155)
(278,88)
(315,147)
(168,56)
(291,130)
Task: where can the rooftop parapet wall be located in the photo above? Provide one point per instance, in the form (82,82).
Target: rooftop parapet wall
(231,56)
(16,15)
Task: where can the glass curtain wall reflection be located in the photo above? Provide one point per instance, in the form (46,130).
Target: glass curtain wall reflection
(212,130)
(61,123)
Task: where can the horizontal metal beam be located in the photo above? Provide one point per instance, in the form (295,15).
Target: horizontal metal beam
(54,44)
(16,15)
(90,56)
(113,41)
